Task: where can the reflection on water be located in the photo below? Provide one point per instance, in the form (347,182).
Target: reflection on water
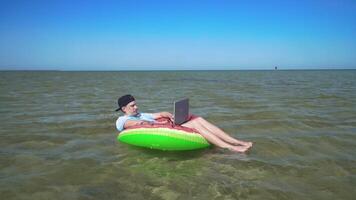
(58,139)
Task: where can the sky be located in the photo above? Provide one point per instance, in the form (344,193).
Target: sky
(172,34)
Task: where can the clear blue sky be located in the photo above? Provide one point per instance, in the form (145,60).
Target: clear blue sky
(168,34)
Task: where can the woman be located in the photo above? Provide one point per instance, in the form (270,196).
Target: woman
(209,131)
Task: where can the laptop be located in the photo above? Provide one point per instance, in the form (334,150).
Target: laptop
(181,111)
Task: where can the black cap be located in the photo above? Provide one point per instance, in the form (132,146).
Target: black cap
(124,100)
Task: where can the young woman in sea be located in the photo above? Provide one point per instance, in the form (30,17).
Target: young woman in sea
(210,132)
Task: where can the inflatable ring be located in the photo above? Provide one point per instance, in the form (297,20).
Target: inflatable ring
(163,138)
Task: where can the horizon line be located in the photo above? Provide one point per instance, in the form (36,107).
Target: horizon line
(157,70)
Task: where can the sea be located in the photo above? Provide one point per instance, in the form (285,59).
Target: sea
(58,138)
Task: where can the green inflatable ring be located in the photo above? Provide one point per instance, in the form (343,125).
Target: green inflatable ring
(163,139)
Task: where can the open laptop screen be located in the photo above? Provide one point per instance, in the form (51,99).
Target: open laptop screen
(181,111)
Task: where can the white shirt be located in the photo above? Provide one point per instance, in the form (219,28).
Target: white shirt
(120,122)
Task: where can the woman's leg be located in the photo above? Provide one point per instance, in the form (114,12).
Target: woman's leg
(220,133)
(213,138)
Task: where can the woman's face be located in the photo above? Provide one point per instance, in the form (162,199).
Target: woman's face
(131,108)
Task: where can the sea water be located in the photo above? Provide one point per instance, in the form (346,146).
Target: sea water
(58,136)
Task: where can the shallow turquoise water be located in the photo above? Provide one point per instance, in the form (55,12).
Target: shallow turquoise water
(58,139)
